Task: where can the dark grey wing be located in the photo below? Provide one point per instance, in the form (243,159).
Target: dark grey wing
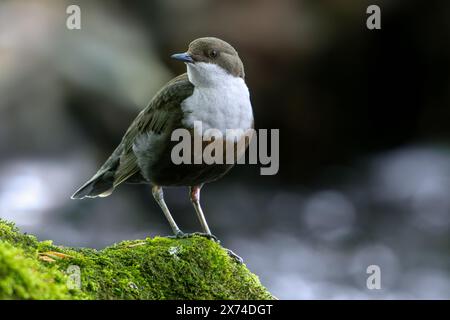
(161,112)
(123,164)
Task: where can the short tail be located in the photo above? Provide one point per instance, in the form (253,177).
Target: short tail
(100,185)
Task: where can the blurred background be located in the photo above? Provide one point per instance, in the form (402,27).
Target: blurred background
(364,119)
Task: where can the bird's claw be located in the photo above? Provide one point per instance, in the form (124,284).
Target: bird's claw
(182,235)
(178,235)
(234,256)
(207,236)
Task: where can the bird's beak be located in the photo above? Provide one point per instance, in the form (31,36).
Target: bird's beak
(185,57)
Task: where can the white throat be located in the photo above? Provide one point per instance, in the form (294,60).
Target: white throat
(220,100)
(202,74)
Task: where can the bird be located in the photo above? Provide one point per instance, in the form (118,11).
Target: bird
(213,92)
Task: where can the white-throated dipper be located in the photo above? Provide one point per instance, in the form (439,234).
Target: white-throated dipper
(213,92)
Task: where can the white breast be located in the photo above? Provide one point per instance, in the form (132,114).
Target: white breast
(220,100)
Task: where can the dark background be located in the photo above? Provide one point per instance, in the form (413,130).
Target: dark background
(364,119)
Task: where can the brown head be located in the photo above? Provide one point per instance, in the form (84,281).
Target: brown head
(203,53)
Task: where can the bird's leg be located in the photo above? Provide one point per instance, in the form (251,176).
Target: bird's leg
(195,199)
(159,197)
(194,192)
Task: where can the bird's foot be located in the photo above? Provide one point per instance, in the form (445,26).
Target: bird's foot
(178,235)
(202,234)
(182,235)
(234,256)
(207,236)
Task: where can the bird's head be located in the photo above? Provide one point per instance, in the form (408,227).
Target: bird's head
(208,59)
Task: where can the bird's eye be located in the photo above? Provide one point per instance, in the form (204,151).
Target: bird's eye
(213,53)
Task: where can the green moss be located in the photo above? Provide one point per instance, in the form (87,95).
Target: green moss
(158,268)
(22,277)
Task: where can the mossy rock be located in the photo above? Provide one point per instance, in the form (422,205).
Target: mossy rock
(158,268)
